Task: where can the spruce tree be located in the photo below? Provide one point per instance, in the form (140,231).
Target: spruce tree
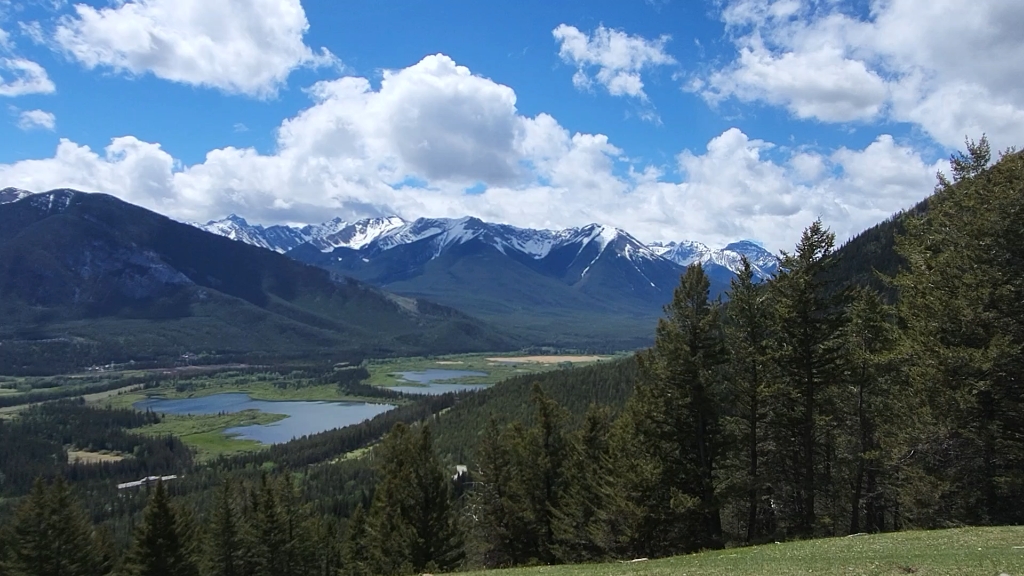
(411,525)
(52,536)
(501,499)
(583,520)
(808,318)
(872,375)
(675,416)
(224,553)
(750,377)
(354,557)
(159,548)
(962,304)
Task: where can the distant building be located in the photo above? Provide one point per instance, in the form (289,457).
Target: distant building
(460,470)
(145,481)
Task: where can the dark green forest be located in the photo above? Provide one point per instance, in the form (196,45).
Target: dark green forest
(866,388)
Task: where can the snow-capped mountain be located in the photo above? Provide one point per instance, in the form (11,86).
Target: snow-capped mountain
(379,234)
(13,195)
(687,252)
(280,238)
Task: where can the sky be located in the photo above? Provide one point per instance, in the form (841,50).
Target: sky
(708,120)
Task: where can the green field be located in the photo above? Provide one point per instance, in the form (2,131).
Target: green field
(258,387)
(959,552)
(206,434)
(382,371)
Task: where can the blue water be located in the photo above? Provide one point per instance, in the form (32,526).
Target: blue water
(303,418)
(428,385)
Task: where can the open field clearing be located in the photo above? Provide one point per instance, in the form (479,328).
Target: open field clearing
(83,457)
(497,368)
(548,359)
(959,552)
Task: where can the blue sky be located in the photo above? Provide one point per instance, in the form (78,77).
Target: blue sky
(672,119)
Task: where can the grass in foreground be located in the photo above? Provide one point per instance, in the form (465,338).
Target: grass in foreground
(959,552)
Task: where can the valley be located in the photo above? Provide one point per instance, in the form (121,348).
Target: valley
(341,404)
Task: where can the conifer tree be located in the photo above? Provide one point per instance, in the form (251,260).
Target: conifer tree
(870,341)
(748,334)
(808,315)
(962,304)
(675,415)
(52,536)
(354,557)
(159,548)
(411,524)
(224,553)
(501,500)
(583,519)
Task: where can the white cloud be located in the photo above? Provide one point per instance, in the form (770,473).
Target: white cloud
(358,152)
(951,67)
(239,46)
(19,77)
(31,119)
(619,58)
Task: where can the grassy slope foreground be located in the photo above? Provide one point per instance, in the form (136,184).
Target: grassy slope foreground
(959,552)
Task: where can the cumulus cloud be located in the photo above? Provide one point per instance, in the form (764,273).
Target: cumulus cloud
(32,119)
(896,62)
(238,46)
(413,146)
(618,58)
(19,77)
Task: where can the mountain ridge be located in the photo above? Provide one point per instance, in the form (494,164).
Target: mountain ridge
(126,282)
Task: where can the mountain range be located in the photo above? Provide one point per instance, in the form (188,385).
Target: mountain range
(393,230)
(594,285)
(91,275)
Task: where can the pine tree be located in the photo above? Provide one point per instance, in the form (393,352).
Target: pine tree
(224,547)
(583,520)
(675,415)
(411,525)
(962,301)
(52,536)
(160,548)
(354,557)
(748,334)
(870,341)
(808,321)
(501,499)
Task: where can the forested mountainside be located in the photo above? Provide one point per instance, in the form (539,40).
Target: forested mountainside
(88,279)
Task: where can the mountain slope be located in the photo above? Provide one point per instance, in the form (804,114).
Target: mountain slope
(91,268)
(589,286)
(593,286)
(8,195)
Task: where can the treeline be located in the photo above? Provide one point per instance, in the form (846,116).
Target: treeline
(36,445)
(803,408)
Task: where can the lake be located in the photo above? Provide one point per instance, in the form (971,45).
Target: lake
(303,418)
(428,381)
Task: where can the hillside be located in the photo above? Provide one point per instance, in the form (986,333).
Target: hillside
(107,280)
(594,286)
(958,552)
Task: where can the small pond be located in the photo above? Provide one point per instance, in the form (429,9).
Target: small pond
(428,381)
(303,417)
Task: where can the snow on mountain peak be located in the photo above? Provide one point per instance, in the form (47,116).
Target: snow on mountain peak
(8,195)
(388,232)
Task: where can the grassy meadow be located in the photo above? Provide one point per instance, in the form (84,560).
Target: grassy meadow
(497,366)
(957,552)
